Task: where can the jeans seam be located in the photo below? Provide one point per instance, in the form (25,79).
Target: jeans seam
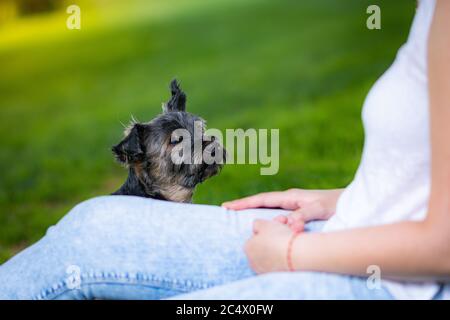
(147,280)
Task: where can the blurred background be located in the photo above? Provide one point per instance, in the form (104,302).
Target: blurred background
(301,66)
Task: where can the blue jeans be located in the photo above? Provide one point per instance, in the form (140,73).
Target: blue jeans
(122,247)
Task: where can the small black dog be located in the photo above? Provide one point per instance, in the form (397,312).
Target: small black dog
(148,148)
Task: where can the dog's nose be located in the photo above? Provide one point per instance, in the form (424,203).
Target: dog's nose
(214,148)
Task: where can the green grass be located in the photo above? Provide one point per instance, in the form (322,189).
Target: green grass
(301,66)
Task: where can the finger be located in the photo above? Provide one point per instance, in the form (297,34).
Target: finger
(289,220)
(275,199)
(281,218)
(308,213)
(254,201)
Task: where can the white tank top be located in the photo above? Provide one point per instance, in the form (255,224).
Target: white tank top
(392,182)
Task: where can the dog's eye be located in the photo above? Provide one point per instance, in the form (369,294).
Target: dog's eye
(176,140)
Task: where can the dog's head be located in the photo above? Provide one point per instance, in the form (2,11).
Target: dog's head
(171,154)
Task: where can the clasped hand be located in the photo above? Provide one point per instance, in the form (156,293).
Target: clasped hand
(266,250)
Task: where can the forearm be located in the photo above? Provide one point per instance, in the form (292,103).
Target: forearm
(405,250)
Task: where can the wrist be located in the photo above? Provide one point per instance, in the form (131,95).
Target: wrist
(289,252)
(331,201)
(303,251)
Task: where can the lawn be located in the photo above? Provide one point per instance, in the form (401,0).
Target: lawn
(303,67)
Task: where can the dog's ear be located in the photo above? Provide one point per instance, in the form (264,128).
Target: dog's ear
(130,149)
(178,100)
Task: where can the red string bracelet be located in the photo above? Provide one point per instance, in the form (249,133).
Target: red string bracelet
(289,251)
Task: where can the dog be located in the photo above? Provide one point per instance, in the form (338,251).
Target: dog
(148,151)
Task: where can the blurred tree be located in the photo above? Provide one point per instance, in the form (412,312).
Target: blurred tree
(37,6)
(10,9)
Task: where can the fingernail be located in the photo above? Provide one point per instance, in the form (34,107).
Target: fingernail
(226,205)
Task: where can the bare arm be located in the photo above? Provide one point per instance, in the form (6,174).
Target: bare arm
(416,250)
(404,250)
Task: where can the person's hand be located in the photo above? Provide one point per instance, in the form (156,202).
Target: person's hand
(267,249)
(306,205)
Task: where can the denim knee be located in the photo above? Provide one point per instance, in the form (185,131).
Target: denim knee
(96,213)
